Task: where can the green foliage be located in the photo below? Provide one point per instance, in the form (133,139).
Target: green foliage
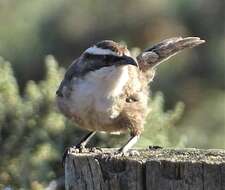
(30,127)
(33,134)
(160,125)
(212,108)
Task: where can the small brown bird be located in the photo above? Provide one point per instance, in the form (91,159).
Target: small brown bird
(106,89)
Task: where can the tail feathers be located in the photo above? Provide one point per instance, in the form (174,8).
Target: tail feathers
(151,57)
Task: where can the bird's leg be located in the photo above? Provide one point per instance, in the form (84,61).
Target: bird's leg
(131,142)
(83,142)
(81,145)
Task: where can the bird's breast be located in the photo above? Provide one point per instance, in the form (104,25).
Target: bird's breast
(95,98)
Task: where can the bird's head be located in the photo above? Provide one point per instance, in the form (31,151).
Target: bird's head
(108,53)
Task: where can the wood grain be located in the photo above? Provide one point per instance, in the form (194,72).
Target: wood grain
(160,169)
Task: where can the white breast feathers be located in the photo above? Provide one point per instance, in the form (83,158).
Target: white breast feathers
(98,92)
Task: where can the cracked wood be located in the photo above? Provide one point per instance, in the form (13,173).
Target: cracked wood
(160,169)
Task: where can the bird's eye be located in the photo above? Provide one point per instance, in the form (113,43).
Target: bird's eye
(131,99)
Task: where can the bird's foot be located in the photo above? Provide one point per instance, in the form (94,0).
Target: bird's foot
(134,153)
(130,153)
(80,148)
(74,149)
(96,150)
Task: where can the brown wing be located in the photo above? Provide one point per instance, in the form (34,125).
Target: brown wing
(72,71)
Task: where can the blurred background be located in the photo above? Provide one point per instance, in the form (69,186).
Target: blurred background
(40,38)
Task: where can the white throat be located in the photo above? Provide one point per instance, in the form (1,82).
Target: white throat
(110,80)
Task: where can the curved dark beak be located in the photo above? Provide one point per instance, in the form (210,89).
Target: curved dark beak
(127,60)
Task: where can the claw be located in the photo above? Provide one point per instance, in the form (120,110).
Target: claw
(127,153)
(133,153)
(80,146)
(96,150)
(74,149)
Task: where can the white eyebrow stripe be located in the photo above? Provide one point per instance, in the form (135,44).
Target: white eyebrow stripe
(99,51)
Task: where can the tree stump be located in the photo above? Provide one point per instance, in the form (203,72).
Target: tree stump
(153,169)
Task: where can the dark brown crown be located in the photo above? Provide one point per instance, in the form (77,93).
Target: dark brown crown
(113,46)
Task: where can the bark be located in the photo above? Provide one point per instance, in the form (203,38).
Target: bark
(153,169)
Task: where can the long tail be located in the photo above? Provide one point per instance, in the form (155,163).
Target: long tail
(151,57)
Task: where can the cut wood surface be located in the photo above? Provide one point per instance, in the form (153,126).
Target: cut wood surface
(153,169)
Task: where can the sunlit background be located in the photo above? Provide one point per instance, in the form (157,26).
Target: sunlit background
(40,37)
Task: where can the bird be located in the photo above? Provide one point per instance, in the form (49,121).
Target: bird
(106,89)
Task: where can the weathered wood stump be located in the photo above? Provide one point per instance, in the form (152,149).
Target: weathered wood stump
(159,169)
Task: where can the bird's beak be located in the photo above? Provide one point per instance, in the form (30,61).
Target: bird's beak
(127,60)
